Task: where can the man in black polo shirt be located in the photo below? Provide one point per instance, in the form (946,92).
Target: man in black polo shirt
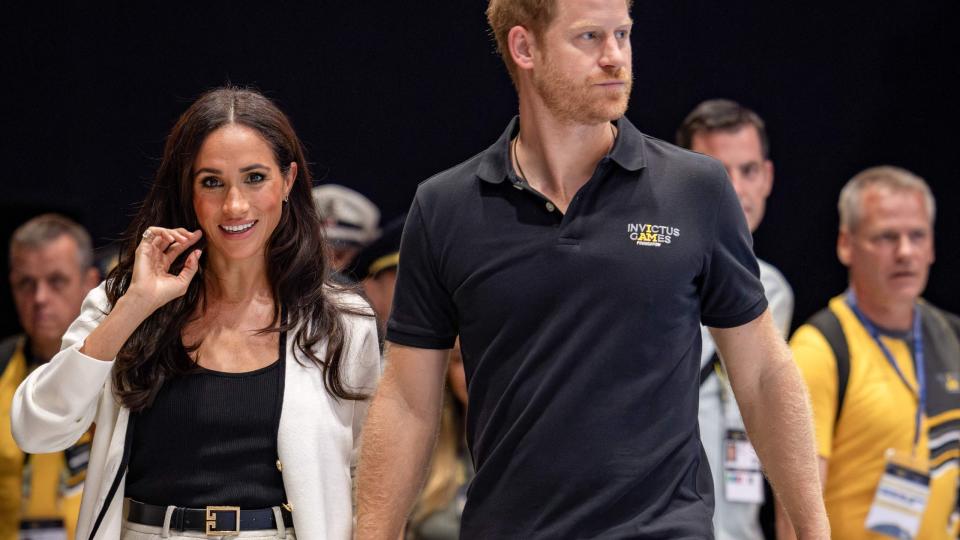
(576,258)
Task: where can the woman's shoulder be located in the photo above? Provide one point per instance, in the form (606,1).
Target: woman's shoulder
(96,305)
(349,302)
(98,295)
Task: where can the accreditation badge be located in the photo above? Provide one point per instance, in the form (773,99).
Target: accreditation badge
(901,497)
(743,481)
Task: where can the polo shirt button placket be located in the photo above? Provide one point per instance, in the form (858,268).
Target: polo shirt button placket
(550,207)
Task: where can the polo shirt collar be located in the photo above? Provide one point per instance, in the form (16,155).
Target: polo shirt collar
(628,151)
(495,161)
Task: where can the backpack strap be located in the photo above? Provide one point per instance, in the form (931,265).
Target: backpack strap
(949,321)
(828,324)
(709,368)
(953,320)
(8,346)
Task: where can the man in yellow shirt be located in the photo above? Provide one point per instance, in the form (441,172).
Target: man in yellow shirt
(51,271)
(883,369)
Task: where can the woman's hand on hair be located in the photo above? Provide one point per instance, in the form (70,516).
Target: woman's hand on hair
(151,281)
(151,286)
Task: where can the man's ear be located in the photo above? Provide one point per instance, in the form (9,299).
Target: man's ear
(92,277)
(843,246)
(768,173)
(521,43)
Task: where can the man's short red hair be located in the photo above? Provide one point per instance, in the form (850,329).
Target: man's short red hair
(534,15)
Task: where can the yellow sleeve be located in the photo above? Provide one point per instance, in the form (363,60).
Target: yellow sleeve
(818,366)
(70,505)
(11,458)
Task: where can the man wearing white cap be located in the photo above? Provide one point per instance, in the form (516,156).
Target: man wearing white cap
(350,222)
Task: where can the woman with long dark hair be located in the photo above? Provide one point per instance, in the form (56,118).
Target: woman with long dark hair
(227,384)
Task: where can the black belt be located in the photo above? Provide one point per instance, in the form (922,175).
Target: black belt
(215,520)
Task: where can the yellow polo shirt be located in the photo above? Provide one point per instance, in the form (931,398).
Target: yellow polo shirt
(878,414)
(54,488)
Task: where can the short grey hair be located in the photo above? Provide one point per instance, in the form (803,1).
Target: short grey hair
(45,228)
(889,177)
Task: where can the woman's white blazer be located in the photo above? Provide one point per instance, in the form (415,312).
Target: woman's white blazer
(318,439)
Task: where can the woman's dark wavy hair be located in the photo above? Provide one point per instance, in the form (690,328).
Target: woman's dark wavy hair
(296,261)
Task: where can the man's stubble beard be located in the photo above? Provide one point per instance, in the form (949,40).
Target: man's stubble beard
(570,101)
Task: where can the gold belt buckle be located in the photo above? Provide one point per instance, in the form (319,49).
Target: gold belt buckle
(212,512)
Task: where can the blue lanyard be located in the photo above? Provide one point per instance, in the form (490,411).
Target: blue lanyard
(917,359)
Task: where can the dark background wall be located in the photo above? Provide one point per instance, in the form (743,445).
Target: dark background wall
(387,93)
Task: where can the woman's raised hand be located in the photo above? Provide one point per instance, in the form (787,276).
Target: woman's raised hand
(151,280)
(151,286)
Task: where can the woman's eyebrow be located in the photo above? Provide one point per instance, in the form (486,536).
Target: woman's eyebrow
(208,170)
(252,167)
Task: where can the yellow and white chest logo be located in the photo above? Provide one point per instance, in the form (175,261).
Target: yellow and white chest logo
(649,234)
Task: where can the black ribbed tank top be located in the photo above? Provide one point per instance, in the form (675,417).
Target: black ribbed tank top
(210,438)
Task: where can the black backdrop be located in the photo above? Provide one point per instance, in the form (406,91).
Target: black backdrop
(387,93)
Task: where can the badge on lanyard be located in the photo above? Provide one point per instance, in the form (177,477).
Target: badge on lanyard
(901,497)
(743,481)
(904,488)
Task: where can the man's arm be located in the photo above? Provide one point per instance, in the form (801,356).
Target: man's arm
(776,412)
(398,439)
(783,524)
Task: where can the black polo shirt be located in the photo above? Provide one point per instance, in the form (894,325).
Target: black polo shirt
(580,334)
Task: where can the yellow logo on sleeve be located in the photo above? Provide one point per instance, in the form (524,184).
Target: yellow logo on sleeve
(951,381)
